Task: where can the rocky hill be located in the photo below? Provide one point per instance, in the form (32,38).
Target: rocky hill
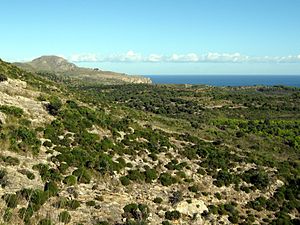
(146,154)
(61,67)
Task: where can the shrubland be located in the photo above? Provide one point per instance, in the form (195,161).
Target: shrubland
(136,154)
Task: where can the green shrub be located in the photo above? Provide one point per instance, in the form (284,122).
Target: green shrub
(30,175)
(144,209)
(158,200)
(7,216)
(24,139)
(166,179)
(52,188)
(27,173)
(135,211)
(172,215)
(83,175)
(25,193)
(63,167)
(12,161)
(150,175)
(3,178)
(201,171)
(54,105)
(70,180)
(38,198)
(11,200)
(233,218)
(91,203)
(122,161)
(153,156)
(125,180)
(73,204)
(135,175)
(45,222)
(194,188)
(64,217)
(12,110)
(258,178)
(166,222)
(47,144)
(213,209)
(130,208)
(61,203)
(3,77)
(26,213)
(218,196)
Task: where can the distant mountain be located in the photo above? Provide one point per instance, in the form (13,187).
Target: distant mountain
(61,67)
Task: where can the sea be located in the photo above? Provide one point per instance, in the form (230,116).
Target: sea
(228,80)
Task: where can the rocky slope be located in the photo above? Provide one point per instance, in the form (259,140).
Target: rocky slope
(60,66)
(67,157)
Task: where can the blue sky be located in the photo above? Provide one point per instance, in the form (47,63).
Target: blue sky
(157,36)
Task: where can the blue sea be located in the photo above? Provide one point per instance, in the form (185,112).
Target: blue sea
(228,80)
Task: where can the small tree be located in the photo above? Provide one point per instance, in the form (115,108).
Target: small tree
(3,77)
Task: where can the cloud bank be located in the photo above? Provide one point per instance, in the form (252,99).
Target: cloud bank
(211,57)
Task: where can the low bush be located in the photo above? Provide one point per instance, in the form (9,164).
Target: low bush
(172,215)
(27,173)
(54,105)
(9,160)
(73,204)
(38,198)
(70,180)
(7,216)
(11,200)
(3,77)
(45,222)
(194,188)
(12,110)
(135,175)
(26,213)
(150,175)
(167,179)
(158,200)
(51,187)
(91,203)
(64,217)
(83,175)
(3,178)
(125,180)
(138,212)
(47,144)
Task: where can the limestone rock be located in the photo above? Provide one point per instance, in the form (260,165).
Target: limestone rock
(190,209)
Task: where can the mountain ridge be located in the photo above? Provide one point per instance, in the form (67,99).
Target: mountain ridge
(63,68)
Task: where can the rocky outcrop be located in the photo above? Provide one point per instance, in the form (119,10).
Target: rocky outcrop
(52,63)
(15,93)
(196,207)
(137,80)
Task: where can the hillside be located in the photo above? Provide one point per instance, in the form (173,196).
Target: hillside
(61,67)
(140,154)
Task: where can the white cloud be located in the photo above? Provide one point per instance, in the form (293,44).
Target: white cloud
(190,57)
(211,57)
(89,57)
(154,58)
